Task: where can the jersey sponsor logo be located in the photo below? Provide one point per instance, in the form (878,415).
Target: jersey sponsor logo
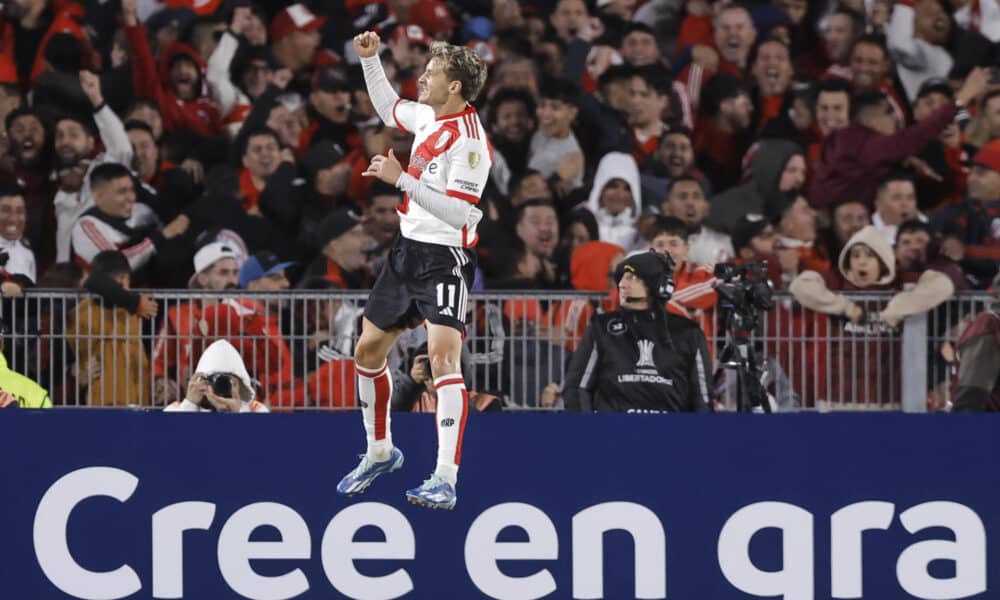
(465,185)
(432,168)
(616,327)
(644,378)
(473,159)
(446,311)
(645,354)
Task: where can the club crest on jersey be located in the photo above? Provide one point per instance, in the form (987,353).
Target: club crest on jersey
(473,159)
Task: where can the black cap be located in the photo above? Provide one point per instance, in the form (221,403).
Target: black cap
(331,79)
(321,155)
(747,228)
(938,85)
(337,224)
(64,52)
(180,19)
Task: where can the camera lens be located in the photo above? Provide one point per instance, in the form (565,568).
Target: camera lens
(222,385)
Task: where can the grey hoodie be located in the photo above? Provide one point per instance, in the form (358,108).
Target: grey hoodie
(753,196)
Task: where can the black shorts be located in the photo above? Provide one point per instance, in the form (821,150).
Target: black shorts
(422,281)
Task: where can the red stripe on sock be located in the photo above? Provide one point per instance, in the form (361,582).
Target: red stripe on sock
(381,404)
(453,381)
(371,373)
(461,426)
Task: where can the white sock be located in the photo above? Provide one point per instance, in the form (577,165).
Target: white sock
(374,392)
(452,411)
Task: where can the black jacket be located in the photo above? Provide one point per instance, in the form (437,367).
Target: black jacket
(628,361)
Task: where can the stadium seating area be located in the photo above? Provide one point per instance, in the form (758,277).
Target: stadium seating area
(853,146)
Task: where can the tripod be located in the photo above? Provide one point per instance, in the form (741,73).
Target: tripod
(738,355)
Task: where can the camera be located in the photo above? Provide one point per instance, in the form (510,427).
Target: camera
(747,297)
(222,386)
(743,301)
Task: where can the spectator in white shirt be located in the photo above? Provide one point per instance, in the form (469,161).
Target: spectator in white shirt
(13,217)
(686,201)
(895,203)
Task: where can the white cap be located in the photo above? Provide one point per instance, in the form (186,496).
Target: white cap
(209,254)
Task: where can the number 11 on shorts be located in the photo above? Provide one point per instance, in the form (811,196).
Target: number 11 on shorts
(451,295)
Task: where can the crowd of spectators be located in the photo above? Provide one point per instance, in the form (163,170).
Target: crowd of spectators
(219,144)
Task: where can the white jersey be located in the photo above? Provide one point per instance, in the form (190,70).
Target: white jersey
(451,155)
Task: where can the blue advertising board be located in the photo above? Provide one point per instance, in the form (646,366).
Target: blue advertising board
(118,504)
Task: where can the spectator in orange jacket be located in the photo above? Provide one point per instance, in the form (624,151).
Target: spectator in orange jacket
(177,83)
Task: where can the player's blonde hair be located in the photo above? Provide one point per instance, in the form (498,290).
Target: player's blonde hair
(461,64)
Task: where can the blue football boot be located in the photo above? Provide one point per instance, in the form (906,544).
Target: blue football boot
(358,480)
(433,493)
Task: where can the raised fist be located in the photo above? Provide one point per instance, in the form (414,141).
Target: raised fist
(366,44)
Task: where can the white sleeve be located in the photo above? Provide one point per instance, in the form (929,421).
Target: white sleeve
(217,73)
(903,47)
(453,211)
(393,110)
(184,405)
(117,146)
(89,237)
(468,171)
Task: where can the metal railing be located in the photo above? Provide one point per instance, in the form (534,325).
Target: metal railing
(298,345)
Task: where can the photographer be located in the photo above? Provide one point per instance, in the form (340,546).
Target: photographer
(220,384)
(639,358)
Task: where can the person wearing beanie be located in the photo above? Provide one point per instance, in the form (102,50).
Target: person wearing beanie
(640,358)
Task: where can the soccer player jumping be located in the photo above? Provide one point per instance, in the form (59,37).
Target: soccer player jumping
(430,267)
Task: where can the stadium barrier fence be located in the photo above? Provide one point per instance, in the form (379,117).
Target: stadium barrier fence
(298,345)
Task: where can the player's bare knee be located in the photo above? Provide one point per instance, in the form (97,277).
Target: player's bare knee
(367,354)
(445,363)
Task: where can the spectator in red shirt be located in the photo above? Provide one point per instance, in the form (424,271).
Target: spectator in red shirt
(254,327)
(772,72)
(295,37)
(721,134)
(694,285)
(648,103)
(733,38)
(216,268)
(177,83)
(795,221)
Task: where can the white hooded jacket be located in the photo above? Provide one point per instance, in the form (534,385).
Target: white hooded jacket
(620,229)
(221,357)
